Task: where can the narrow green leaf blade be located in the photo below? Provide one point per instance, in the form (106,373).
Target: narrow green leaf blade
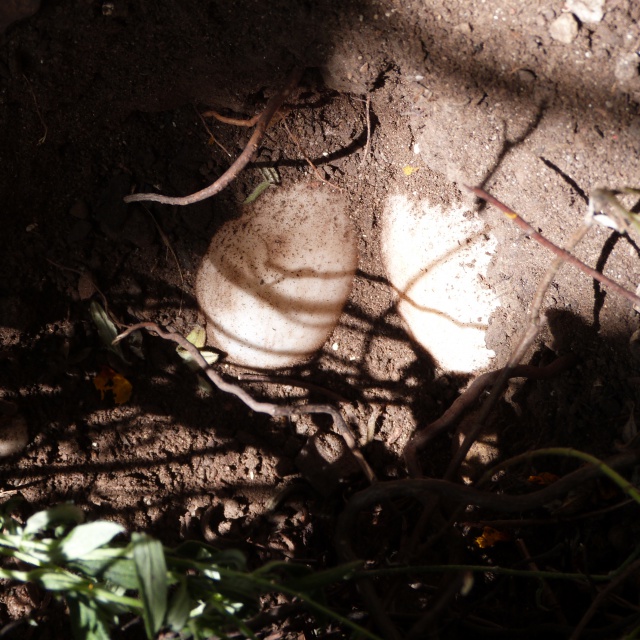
(151,568)
(106,329)
(257,192)
(85,538)
(61,514)
(123,573)
(316,580)
(58,580)
(180,608)
(86,622)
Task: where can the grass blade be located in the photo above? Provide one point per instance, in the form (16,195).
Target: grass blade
(151,568)
(181,605)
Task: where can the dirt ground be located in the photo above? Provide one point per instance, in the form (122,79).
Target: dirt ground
(536,103)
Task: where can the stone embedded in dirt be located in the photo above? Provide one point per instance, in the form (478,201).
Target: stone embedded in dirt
(436,259)
(273,282)
(14,435)
(586,10)
(325,461)
(627,71)
(564,28)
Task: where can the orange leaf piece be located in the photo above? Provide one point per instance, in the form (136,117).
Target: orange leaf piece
(116,383)
(490,536)
(544,479)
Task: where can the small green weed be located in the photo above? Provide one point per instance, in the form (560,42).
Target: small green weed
(194,589)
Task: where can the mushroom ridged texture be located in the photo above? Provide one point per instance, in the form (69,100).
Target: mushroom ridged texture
(274,281)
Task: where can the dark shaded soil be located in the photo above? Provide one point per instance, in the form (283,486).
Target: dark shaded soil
(100,99)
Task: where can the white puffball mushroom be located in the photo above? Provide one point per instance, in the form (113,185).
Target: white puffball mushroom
(436,259)
(273,282)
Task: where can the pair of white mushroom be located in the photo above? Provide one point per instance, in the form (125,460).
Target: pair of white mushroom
(274,282)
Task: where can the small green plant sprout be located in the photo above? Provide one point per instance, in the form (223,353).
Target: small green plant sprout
(193,590)
(271,177)
(106,330)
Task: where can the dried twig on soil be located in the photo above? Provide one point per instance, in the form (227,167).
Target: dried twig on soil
(565,255)
(426,490)
(236,122)
(313,167)
(167,244)
(292,382)
(546,590)
(452,416)
(526,340)
(423,489)
(529,334)
(602,596)
(212,138)
(243,159)
(257,406)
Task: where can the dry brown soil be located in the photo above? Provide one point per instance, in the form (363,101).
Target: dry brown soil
(98,99)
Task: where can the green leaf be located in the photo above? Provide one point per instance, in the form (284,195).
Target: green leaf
(271,176)
(85,538)
(151,569)
(180,607)
(106,329)
(18,576)
(86,621)
(60,514)
(257,192)
(197,337)
(111,563)
(123,573)
(58,580)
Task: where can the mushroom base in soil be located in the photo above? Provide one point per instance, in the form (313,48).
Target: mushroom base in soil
(274,281)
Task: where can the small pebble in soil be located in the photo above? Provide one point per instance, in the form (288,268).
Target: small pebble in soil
(627,71)
(564,28)
(586,10)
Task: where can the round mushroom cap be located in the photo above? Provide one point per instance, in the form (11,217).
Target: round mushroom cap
(273,282)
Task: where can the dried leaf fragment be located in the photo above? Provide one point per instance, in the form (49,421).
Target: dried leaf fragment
(543,479)
(490,537)
(116,383)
